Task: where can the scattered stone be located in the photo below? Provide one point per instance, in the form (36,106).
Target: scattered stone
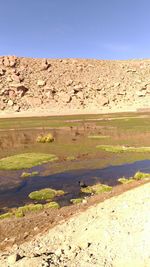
(13,258)
(41,83)
(10,103)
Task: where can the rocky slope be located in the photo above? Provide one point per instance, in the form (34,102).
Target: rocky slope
(114,233)
(61,85)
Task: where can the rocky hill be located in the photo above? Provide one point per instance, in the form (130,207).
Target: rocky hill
(71,85)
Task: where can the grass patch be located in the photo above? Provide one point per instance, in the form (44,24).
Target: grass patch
(49,138)
(98,136)
(76,200)
(51,205)
(141,175)
(28,174)
(70,158)
(137,176)
(22,211)
(27,160)
(6,215)
(120,149)
(124,180)
(45,194)
(96,189)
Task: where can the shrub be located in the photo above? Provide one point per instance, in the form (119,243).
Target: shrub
(45,138)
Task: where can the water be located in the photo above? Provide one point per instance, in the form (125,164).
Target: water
(68,181)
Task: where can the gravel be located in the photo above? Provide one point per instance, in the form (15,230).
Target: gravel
(115,233)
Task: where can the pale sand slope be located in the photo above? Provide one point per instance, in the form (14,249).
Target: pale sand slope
(113,233)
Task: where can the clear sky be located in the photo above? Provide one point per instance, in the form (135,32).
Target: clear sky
(102,29)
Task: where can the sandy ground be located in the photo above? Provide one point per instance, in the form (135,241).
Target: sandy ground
(114,233)
(47,112)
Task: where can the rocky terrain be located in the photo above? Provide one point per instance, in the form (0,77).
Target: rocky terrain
(114,233)
(73,85)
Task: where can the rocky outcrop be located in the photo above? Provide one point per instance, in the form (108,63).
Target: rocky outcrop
(72,84)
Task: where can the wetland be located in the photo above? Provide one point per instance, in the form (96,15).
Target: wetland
(78,148)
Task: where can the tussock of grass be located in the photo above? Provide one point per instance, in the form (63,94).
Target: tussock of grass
(45,194)
(27,160)
(76,200)
(96,189)
(51,205)
(120,149)
(137,176)
(45,138)
(28,174)
(98,136)
(124,180)
(141,175)
(22,211)
(6,215)
(70,158)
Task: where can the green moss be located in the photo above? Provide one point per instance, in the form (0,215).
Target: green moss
(120,149)
(76,200)
(45,138)
(45,194)
(28,174)
(51,205)
(124,180)
(96,189)
(26,160)
(141,175)
(6,215)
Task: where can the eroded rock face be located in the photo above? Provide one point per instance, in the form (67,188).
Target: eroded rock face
(27,84)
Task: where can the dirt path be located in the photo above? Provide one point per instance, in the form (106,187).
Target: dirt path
(113,233)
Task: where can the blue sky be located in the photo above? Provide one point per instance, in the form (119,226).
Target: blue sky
(101,29)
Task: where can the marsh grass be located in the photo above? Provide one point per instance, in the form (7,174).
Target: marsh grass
(120,149)
(96,189)
(26,160)
(45,194)
(137,176)
(76,200)
(48,138)
(51,205)
(22,211)
(6,215)
(70,158)
(28,174)
(124,180)
(141,175)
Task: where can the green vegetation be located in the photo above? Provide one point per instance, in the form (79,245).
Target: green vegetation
(21,211)
(51,205)
(96,189)
(45,138)
(6,215)
(98,136)
(28,174)
(141,175)
(76,200)
(120,149)
(26,160)
(70,158)
(124,180)
(45,194)
(137,176)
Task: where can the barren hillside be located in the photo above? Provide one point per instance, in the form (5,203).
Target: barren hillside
(73,85)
